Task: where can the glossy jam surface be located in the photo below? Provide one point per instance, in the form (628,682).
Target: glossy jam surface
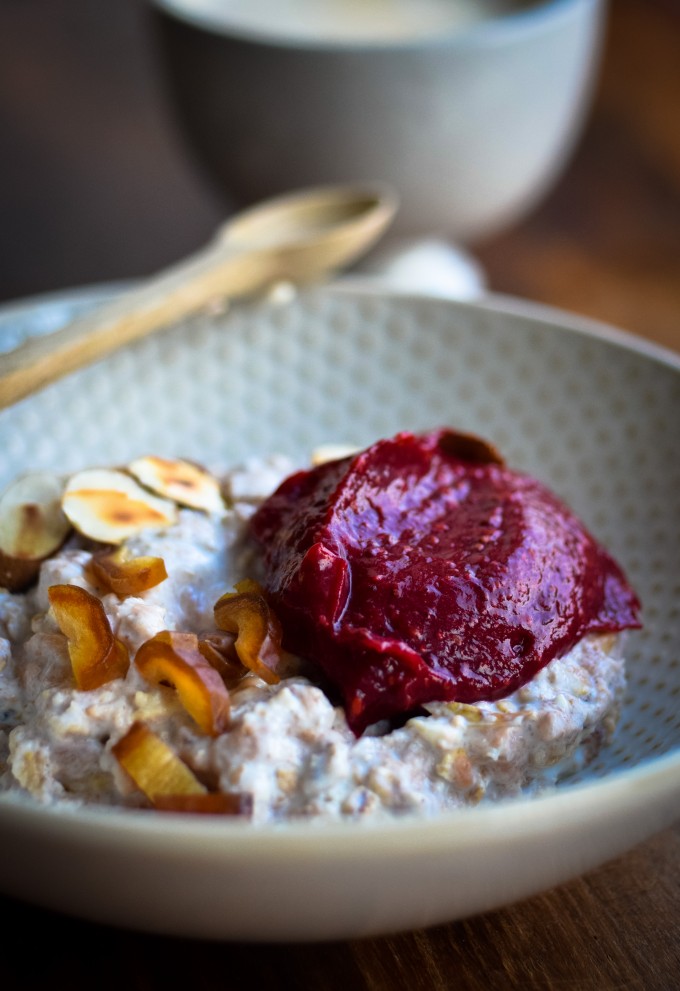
(424,569)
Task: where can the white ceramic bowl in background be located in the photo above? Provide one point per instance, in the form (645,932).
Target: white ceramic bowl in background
(590,411)
(472,126)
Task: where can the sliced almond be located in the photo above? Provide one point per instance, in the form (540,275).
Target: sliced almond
(110,506)
(179,480)
(332,452)
(32,527)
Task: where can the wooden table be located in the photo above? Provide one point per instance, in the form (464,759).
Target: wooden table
(95,186)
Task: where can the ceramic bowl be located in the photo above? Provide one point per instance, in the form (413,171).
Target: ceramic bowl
(472,126)
(589,410)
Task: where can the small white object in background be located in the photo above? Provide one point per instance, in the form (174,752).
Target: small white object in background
(432,265)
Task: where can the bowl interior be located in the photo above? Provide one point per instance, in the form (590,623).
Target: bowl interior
(592,415)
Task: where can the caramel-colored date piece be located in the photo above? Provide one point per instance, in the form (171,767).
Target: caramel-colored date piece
(153,766)
(97,657)
(168,783)
(176,658)
(115,572)
(213,803)
(246,613)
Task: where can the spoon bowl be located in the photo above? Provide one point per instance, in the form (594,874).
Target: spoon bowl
(328,213)
(300,237)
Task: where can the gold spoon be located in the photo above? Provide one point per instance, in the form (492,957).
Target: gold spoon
(298,238)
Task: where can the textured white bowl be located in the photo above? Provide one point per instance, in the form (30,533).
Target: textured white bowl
(592,412)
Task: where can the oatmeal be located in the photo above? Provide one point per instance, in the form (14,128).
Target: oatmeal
(280,746)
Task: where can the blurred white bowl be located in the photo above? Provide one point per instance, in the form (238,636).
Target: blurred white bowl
(472,123)
(590,411)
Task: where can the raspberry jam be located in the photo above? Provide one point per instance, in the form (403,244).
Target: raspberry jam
(424,569)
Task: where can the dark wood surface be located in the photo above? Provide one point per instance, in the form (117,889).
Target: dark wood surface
(96,186)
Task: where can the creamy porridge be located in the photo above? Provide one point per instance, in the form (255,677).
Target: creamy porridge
(284,748)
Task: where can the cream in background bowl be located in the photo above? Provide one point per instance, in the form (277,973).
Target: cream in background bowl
(469,109)
(375,21)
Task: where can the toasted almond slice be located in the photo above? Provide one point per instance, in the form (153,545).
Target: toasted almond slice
(97,657)
(176,658)
(332,452)
(179,480)
(110,506)
(32,526)
(153,766)
(113,571)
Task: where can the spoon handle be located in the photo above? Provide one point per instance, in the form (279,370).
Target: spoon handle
(216,271)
